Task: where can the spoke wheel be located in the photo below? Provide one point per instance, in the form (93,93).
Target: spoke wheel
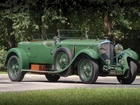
(62,58)
(52,77)
(130,74)
(13,68)
(88,70)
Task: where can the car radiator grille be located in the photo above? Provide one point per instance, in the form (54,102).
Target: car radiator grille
(109,52)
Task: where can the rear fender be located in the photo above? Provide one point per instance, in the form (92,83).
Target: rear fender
(20,53)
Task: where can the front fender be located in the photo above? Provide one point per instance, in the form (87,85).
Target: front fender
(131,54)
(21,55)
(93,54)
(128,53)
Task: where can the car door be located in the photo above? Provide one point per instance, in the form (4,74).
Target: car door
(32,50)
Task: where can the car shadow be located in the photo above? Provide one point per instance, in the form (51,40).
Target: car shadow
(97,84)
(78,82)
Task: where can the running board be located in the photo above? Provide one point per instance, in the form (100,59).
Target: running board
(38,71)
(52,71)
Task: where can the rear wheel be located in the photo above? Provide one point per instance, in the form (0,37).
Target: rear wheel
(14,69)
(88,70)
(52,77)
(130,74)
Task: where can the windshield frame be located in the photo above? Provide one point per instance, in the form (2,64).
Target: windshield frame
(62,36)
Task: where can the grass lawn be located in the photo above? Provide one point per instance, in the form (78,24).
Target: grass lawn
(77,96)
(3,72)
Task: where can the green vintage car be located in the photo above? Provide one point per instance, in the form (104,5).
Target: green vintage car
(71,52)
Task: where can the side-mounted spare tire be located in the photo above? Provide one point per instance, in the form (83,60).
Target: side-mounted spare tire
(14,69)
(62,58)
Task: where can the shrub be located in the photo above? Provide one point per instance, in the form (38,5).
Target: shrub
(3,53)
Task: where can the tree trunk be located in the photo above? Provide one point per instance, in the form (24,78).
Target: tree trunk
(108,24)
(11,38)
(43,32)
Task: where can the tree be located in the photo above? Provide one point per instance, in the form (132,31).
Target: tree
(14,16)
(115,18)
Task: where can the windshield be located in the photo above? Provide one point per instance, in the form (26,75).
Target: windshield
(72,34)
(37,37)
(63,34)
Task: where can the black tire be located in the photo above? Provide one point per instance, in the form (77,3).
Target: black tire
(14,69)
(62,58)
(88,70)
(130,74)
(52,77)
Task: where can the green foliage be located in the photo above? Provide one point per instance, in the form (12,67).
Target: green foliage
(3,53)
(18,14)
(24,18)
(51,18)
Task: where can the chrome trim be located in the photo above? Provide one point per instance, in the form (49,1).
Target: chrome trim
(109,51)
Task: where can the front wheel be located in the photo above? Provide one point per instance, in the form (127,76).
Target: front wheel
(130,74)
(88,70)
(52,77)
(14,69)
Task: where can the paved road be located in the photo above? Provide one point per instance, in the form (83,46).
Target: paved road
(38,82)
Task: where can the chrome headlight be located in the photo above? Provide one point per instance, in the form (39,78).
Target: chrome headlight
(101,49)
(108,61)
(118,48)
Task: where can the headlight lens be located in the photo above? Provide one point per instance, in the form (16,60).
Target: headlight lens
(101,49)
(108,61)
(118,48)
